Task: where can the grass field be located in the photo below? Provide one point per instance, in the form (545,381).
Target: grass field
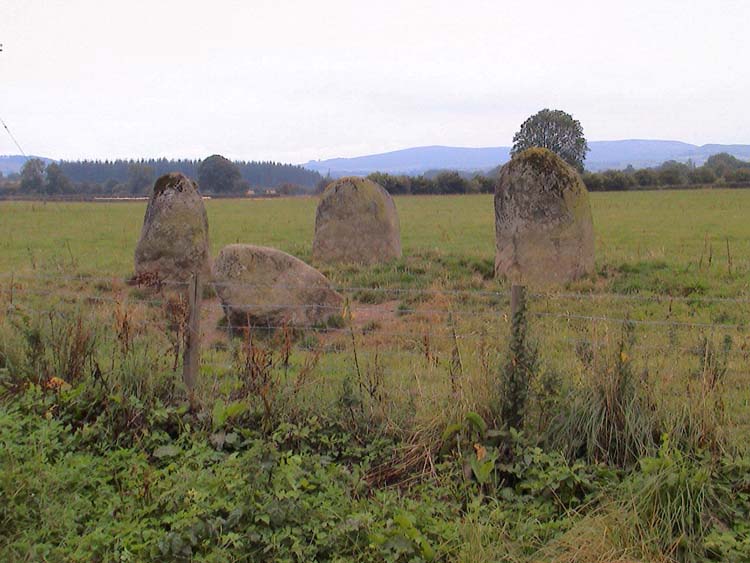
(366,441)
(633,227)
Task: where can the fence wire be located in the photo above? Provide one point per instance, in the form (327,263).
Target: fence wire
(422,291)
(17,289)
(489,311)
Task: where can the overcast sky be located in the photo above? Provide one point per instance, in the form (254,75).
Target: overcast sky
(300,80)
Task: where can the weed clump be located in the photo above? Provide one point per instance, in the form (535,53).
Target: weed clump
(611,418)
(518,372)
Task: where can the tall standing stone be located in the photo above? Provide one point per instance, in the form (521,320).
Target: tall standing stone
(543,225)
(356,222)
(174,237)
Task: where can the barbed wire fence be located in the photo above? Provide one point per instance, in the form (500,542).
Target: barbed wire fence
(486,309)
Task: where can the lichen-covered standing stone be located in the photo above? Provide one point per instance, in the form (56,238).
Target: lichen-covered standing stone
(356,222)
(262,286)
(543,226)
(174,237)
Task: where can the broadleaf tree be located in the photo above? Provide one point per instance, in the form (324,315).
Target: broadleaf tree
(32,176)
(557,131)
(57,182)
(217,174)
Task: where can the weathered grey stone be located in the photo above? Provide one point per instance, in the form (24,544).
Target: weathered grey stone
(174,237)
(543,226)
(356,222)
(263,286)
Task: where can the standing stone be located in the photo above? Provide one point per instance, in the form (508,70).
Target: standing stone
(174,237)
(543,226)
(356,222)
(263,286)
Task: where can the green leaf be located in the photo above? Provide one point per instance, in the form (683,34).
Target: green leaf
(235,409)
(166,451)
(451,431)
(219,414)
(477,422)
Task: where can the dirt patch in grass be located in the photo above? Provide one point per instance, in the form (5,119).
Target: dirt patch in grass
(364,315)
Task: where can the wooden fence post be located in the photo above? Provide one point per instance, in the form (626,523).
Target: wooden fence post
(191,356)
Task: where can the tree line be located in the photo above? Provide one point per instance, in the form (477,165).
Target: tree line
(136,177)
(444,182)
(217,175)
(720,169)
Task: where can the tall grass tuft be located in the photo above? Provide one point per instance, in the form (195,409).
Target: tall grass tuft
(611,417)
(673,498)
(60,346)
(698,424)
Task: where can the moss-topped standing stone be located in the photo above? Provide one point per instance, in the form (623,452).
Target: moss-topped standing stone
(543,226)
(356,222)
(174,237)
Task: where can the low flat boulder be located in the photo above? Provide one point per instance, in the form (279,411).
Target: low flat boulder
(543,225)
(261,286)
(174,237)
(356,222)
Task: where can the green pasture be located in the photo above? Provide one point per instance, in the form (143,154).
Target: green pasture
(645,230)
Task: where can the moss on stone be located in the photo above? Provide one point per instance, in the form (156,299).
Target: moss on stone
(174,237)
(356,221)
(173,180)
(368,192)
(543,226)
(545,162)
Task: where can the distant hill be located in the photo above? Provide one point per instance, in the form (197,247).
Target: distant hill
(644,154)
(603,155)
(414,161)
(10,164)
